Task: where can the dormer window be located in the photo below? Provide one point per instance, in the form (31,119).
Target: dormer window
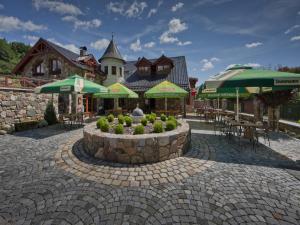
(163,67)
(144,69)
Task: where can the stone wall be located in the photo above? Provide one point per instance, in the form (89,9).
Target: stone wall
(16,107)
(136,149)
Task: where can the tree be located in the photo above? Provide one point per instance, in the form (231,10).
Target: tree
(50,114)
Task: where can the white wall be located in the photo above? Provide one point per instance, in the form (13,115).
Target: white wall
(112,78)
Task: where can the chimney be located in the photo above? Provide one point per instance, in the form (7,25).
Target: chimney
(83,50)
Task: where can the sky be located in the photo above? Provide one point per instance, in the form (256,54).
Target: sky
(211,34)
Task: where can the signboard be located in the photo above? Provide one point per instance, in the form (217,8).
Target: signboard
(286,82)
(78,85)
(65,88)
(209,90)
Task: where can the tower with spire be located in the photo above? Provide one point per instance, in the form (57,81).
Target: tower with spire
(112,64)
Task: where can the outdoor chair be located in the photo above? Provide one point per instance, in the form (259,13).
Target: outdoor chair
(263,132)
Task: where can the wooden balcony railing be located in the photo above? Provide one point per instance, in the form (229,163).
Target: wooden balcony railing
(9,81)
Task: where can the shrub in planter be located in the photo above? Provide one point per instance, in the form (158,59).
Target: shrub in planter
(158,127)
(170,125)
(173,119)
(121,119)
(50,114)
(152,119)
(110,118)
(154,115)
(139,129)
(119,129)
(103,124)
(128,121)
(163,117)
(144,121)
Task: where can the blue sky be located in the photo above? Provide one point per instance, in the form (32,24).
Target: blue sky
(212,34)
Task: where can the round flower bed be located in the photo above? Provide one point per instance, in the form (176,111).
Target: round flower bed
(158,141)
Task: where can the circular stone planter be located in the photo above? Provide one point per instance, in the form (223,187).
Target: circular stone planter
(136,149)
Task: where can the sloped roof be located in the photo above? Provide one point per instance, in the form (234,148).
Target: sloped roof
(112,51)
(70,56)
(140,82)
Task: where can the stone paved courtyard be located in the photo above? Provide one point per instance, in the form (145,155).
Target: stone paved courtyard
(45,178)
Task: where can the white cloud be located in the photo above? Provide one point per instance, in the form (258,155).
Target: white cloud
(70,47)
(57,7)
(136,46)
(167,38)
(131,11)
(81,23)
(10,23)
(177,6)
(100,44)
(184,43)
(1,6)
(295,38)
(31,38)
(154,10)
(292,29)
(299,13)
(149,44)
(253,44)
(175,26)
(208,64)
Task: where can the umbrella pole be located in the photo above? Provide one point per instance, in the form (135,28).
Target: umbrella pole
(237,104)
(166,105)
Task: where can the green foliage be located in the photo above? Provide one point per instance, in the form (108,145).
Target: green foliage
(158,127)
(172,118)
(139,129)
(121,119)
(128,121)
(103,124)
(163,117)
(110,118)
(298,121)
(144,121)
(154,115)
(119,129)
(147,116)
(151,119)
(11,54)
(50,114)
(170,125)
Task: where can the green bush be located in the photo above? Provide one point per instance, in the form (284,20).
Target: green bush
(170,125)
(139,129)
(154,115)
(163,117)
(128,121)
(119,129)
(152,119)
(147,116)
(172,118)
(144,121)
(158,127)
(110,118)
(103,124)
(50,114)
(121,119)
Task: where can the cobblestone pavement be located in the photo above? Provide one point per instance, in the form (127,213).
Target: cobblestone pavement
(45,181)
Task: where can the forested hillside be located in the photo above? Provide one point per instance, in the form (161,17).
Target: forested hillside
(10,54)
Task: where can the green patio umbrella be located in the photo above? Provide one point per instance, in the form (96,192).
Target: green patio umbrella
(74,83)
(166,90)
(117,91)
(240,76)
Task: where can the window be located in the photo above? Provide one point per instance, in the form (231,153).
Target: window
(163,67)
(106,69)
(55,65)
(120,69)
(144,69)
(113,70)
(38,69)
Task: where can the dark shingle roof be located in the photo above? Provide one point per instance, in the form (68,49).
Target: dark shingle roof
(178,75)
(112,51)
(71,56)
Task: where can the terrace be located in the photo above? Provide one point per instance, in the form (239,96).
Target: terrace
(215,182)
